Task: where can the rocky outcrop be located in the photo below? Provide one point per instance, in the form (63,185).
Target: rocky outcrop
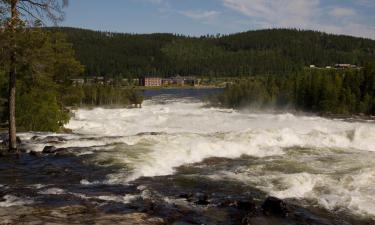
(275,206)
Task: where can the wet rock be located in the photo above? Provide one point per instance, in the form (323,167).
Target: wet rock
(186,196)
(150,133)
(275,206)
(4,139)
(49,149)
(35,138)
(49,139)
(34,153)
(248,206)
(202,199)
(129,219)
(197,198)
(145,206)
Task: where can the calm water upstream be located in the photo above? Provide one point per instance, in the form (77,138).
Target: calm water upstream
(319,163)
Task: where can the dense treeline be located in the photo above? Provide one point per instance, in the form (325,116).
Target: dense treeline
(45,61)
(100,95)
(321,91)
(45,65)
(264,52)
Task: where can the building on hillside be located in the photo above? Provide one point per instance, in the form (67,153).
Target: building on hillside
(150,81)
(345,66)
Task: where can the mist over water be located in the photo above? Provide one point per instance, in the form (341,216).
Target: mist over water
(323,162)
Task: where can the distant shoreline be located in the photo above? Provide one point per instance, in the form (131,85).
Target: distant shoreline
(176,87)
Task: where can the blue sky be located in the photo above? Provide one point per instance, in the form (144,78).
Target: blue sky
(199,17)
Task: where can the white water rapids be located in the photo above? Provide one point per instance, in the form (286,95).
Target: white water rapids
(329,162)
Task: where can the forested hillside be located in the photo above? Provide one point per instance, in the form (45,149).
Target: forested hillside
(277,51)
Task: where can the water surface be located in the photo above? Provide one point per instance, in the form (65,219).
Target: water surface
(321,163)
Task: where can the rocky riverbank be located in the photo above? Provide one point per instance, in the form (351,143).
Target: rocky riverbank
(56,186)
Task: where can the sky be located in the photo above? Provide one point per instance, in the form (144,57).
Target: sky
(201,17)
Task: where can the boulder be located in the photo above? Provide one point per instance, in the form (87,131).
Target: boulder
(53,139)
(202,199)
(275,206)
(34,153)
(49,150)
(244,205)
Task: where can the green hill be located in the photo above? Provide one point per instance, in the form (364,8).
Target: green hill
(276,51)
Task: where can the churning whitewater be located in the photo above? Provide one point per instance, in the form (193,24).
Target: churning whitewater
(328,163)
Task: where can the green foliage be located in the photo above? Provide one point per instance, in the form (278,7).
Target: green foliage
(45,62)
(320,91)
(100,95)
(38,110)
(265,52)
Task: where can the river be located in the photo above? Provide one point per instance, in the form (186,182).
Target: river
(176,142)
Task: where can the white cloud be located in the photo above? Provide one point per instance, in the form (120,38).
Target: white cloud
(304,14)
(201,15)
(287,13)
(353,29)
(367,3)
(342,12)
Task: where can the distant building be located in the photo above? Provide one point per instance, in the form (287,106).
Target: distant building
(178,80)
(312,66)
(99,80)
(150,81)
(78,81)
(345,66)
(182,81)
(167,81)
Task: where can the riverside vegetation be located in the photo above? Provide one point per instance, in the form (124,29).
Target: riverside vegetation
(45,66)
(271,61)
(343,92)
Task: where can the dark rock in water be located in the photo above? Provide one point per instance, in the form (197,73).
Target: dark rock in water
(150,133)
(197,198)
(49,139)
(49,150)
(52,150)
(275,206)
(202,199)
(249,206)
(4,138)
(185,196)
(34,153)
(53,139)
(35,138)
(145,206)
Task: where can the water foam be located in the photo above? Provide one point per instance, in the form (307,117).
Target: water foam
(158,138)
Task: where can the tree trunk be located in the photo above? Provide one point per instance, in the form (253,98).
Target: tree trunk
(12,80)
